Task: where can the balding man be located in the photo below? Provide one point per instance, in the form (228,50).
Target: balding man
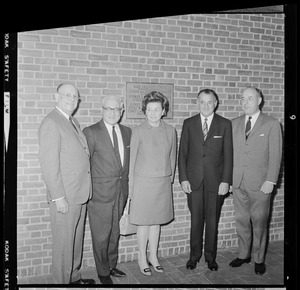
(64,160)
(257,146)
(109,143)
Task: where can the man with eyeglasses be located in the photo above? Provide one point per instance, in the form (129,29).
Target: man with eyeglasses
(109,145)
(64,160)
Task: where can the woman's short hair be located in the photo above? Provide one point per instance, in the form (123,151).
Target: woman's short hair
(155,96)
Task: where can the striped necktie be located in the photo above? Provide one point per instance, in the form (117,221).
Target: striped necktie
(248,127)
(205,129)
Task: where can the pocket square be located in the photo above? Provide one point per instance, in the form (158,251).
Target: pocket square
(217,136)
(262,135)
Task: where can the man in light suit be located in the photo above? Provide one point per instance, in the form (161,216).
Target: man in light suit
(205,172)
(109,144)
(257,157)
(64,159)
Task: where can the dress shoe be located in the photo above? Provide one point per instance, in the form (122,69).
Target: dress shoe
(212,266)
(239,262)
(105,279)
(157,268)
(117,273)
(146,271)
(84,281)
(191,265)
(260,268)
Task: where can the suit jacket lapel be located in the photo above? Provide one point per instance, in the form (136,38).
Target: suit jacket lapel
(125,142)
(213,126)
(79,135)
(257,124)
(198,128)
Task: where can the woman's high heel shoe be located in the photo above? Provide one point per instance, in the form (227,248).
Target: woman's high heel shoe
(146,271)
(157,268)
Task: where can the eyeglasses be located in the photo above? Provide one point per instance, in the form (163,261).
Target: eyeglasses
(70,96)
(110,110)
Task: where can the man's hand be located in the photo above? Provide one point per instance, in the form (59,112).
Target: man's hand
(267,187)
(62,205)
(223,188)
(186,186)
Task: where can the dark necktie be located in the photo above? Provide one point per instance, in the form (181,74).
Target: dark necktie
(205,129)
(116,144)
(248,127)
(70,118)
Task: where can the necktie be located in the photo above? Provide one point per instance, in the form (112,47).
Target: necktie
(70,118)
(116,144)
(248,127)
(205,129)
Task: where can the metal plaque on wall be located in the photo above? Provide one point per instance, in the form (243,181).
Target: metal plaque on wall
(135,93)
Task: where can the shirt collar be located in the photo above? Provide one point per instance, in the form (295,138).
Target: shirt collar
(109,126)
(209,118)
(64,114)
(254,117)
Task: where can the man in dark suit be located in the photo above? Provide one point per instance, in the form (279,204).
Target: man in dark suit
(257,143)
(64,159)
(205,172)
(109,144)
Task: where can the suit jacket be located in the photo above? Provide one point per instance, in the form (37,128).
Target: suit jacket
(107,174)
(258,158)
(210,161)
(152,159)
(64,159)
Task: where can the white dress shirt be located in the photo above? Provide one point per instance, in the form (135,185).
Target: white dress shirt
(209,120)
(253,119)
(120,139)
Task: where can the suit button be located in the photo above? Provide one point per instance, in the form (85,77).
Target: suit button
(204,155)
(120,177)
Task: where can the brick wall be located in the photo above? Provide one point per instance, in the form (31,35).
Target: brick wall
(225,52)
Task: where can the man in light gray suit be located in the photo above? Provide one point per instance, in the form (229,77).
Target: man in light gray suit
(64,160)
(257,146)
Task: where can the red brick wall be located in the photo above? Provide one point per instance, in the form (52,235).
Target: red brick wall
(225,52)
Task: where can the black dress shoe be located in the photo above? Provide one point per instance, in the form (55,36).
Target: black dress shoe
(105,279)
(84,281)
(260,268)
(239,262)
(213,266)
(117,273)
(191,265)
